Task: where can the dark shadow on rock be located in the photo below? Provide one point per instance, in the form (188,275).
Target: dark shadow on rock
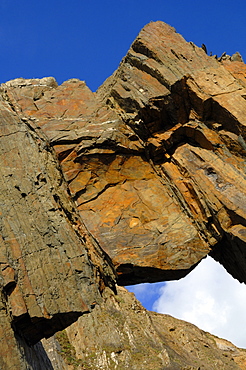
(35,356)
(32,330)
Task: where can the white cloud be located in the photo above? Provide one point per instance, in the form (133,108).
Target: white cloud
(209,298)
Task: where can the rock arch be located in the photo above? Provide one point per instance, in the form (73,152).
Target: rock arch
(137,182)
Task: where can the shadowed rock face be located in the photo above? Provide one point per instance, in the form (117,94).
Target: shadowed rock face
(136,182)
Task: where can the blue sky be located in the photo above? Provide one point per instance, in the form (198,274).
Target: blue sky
(87,40)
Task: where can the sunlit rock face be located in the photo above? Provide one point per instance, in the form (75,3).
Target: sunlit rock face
(155,160)
(137,182)
(52,270)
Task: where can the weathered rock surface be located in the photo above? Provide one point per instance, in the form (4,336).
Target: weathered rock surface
(135,183)
(120,334)
(52,270)
(155,160)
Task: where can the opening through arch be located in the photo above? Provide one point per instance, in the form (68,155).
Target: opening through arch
(208,297)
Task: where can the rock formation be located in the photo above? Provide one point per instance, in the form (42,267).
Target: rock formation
(120,334)
(137,182)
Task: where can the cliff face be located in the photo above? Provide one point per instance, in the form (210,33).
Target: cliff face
(134,183)
(120,334)
(52,270)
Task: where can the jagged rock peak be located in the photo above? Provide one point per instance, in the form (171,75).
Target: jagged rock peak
(45,81)
(237,57)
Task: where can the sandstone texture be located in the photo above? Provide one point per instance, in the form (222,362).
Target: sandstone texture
(135,183)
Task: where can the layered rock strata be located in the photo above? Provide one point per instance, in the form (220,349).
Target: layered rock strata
(52,270)
(120,334)
(137,182)
(155,159)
